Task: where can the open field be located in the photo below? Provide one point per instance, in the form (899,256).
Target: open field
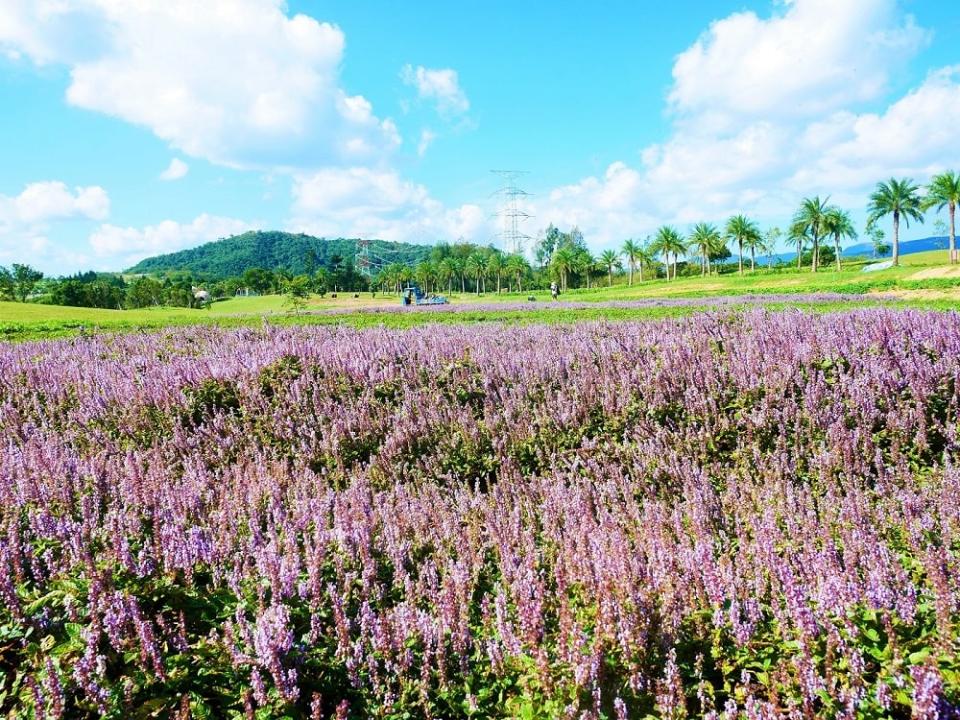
(755,512)
(925,280)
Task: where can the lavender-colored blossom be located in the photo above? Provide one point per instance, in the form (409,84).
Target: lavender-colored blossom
(574,507)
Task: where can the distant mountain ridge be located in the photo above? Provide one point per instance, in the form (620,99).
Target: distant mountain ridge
(907,247)
(274,250)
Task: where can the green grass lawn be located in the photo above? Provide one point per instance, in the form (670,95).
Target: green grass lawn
(924,280)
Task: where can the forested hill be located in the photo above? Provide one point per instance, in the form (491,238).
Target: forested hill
(232,256)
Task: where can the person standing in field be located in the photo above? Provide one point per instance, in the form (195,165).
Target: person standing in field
(554,290)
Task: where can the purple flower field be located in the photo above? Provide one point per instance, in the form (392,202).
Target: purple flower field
(711,301)
(726,516)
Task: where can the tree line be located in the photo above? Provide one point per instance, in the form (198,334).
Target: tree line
(817,230)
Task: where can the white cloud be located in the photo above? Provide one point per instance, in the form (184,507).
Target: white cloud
(815,56)
(914,137)
(442,86)
(42,202)
(427,136)
(175,170)
(124,246)
(379,203)
(26,219)
(765,111)
(238,82)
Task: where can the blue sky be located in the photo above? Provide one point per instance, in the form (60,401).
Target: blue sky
(131,129)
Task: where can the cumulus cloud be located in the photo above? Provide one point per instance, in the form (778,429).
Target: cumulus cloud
(364,202)
(176,170)
(814,57)
(26,219)
(237,82)
(441,86)
(766,110)
(125,246)
(427,136)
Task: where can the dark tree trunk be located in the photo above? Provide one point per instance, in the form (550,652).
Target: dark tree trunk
(896,237)
(953,233)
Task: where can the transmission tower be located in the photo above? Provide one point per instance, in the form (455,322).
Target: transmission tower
(367,262)
(512,238)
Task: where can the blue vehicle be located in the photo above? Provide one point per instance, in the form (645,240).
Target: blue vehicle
(413,295)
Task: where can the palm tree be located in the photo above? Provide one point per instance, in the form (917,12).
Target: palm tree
(514,267)
(405,276)
(944,191)
(445,273)
(900,198)
(610,260)
(743,231)
(458,265)
(495,267)
(645,256)
(476,267)
(563,262)
(705,240)
(583,263)
(669,242)
(840,226)
(424,274)
(812,216)
(394,275)
(798,234)
(754,243)
(630,250)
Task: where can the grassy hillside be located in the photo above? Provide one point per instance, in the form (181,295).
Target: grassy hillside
(272,251)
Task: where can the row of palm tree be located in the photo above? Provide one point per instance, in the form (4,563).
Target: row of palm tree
(568,260)
(706,242)
(904,201)
(815,222)
(476,268)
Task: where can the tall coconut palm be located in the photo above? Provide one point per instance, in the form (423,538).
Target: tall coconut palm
(798,234)
(754,242)
(516,267)
(645,256)
(563,262)
(944,191)
(669,242)
(630,250)
(900,198)
(406,275)
(459,271)
(610,260)
(495,267)
(445,273)
(476,267)
(705,240)
(840,226)
(584,264)
(812,216)
(424,274)
(743,231)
